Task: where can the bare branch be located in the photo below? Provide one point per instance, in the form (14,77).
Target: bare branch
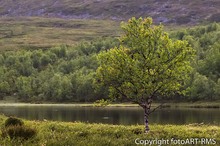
(156,108)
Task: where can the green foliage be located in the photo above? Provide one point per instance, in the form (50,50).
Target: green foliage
(4,88)
(209,66)
(101,102)
(146,65)
(18,131)
(58,88)
(12,121)
(205,40)
(59,74)
(137,131)
(15,128)
(201,88)
(37,75)
(83,134)
(217,89)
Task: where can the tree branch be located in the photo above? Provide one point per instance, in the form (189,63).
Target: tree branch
(156,108)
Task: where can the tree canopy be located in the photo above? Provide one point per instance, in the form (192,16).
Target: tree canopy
(146,65)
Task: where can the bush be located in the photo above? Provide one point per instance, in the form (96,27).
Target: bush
(101,102)
(12,121)
(137,131)
(19,132)
(14,128)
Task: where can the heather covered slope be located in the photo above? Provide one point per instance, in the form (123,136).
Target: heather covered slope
(167,11)
(40,32)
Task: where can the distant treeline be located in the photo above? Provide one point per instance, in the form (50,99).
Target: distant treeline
(58,74)
(204,82)
(66,74)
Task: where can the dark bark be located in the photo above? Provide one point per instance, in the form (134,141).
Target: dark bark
(146,116)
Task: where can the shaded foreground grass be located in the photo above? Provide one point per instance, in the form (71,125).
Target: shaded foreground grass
(84,134)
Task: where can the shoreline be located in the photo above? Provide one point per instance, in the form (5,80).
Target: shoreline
(165,105)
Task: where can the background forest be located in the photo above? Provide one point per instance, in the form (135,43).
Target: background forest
(66,73)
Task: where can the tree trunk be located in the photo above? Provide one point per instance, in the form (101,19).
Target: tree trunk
(146,116)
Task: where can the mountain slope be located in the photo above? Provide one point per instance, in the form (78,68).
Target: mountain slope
(166,11)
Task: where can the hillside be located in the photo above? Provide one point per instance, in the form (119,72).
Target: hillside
(38,32)
(166,11)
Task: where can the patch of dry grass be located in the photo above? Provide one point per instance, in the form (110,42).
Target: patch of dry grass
(36,32)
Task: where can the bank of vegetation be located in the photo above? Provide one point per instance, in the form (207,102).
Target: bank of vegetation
(67,74)
(81,134)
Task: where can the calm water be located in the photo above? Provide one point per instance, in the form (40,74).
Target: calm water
(114,115)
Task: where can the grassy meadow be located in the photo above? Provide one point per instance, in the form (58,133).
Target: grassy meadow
(38,32)
(46,32)
(50,133)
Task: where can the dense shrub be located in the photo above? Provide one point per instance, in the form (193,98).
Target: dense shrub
(15,128)
(12,121)
(18,131)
